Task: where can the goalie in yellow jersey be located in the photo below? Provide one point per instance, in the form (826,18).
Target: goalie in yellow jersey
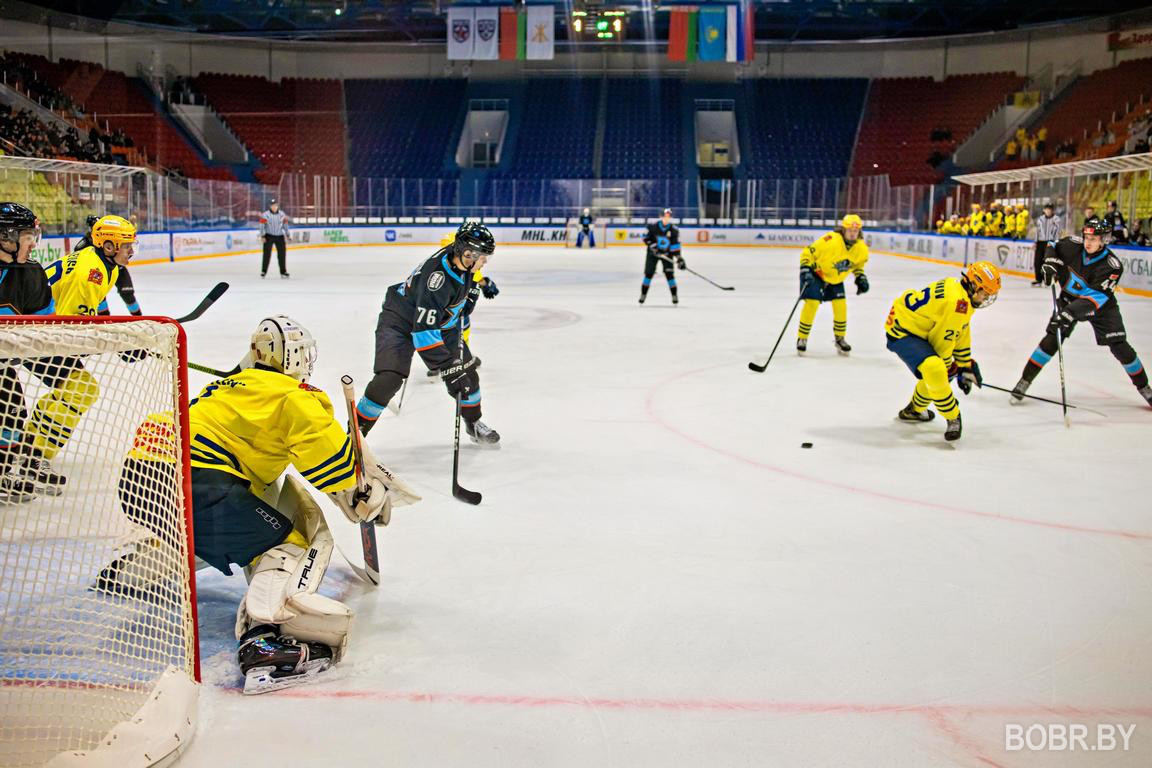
(244,431)
(824,266)
(79,283)
(930,331)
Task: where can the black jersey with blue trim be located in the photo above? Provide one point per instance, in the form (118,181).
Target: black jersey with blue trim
(665,239)
(1086,276)
(428,306)
(24,290)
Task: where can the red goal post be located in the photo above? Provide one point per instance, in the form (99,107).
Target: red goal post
(99,651)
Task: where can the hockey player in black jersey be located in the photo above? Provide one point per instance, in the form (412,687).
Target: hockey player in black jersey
(663,241)
(1088,273)
(423,314)
(24,290)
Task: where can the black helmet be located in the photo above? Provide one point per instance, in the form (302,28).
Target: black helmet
(1095,226)
(13,219)
(91,220)
(474,236)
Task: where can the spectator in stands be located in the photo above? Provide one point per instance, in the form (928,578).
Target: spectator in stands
(1115,221)
(1140,233)
(1041,140)
(1010,150)
(1089,214)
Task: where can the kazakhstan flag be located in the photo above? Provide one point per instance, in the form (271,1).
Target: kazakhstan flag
(713,35)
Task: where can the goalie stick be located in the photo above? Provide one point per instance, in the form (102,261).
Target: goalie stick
(367,529)
(702,277)
(214,294)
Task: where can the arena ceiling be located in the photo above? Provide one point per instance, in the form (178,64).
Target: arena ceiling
(422,21)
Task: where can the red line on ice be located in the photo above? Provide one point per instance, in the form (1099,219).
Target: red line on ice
(652,413)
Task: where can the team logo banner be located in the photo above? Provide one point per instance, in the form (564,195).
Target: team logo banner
(460,36)
(486,45)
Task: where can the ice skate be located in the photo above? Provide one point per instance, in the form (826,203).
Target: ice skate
(1017,396)
(842,346)
(482,434)
(801,346)
(910,414)
(955,427)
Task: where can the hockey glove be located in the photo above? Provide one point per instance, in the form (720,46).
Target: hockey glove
(488,288)
(460,378)
(861,283)
(384,491)
(1050,270)
(806,277)
(680,262)
(1072,313)
(970,376)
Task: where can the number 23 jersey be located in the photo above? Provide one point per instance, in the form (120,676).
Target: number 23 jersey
(939,314)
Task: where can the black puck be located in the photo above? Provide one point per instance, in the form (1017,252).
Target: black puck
(805,445)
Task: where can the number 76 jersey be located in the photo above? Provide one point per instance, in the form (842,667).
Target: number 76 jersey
(939,314)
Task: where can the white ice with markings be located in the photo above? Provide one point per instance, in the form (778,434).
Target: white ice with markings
(659,575)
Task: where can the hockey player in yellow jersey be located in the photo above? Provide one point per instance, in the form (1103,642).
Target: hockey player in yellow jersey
(79,283)
(1009,221)
(244,431)
(824,266)
(929,329)
(81,280)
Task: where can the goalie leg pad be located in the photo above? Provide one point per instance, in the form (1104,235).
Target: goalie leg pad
(283,581)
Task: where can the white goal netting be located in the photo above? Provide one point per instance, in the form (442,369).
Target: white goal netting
(598,230)
(98,644)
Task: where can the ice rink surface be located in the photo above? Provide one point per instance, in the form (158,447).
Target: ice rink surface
(659,575)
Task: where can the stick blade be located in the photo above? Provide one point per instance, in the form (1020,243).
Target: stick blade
(465,495)
(756,367)
(214,294)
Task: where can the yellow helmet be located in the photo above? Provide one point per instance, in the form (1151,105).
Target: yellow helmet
(851,220)
(114,229)
(982,276)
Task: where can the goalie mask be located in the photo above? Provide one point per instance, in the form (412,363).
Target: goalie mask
(285,345)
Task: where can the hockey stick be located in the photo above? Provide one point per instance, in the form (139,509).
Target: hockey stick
(400,403)
(702,277)
(212,371)
(1024,394)
(459,491)
(214,294)
(1060,354)
(367,529)
(788,322)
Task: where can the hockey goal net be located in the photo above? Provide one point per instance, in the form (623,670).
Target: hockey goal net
(598,230)
(99,663)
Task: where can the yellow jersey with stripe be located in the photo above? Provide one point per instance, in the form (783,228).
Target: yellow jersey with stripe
(80,281)
(940,314)
(254,423)
(832,260)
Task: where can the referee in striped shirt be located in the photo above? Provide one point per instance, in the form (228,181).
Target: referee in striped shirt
(274,232)
(1047,231)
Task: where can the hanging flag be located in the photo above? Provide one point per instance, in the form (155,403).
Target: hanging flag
(731,33)
(460,32)
(541,32)
(512,28)
(748,49)
(487,45)
(713,33)
(682,35)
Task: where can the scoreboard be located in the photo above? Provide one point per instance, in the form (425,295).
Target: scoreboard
(598,24)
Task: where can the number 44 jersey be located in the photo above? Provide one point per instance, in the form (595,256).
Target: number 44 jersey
(939,314)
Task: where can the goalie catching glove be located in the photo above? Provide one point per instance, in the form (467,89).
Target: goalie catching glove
(374,503)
